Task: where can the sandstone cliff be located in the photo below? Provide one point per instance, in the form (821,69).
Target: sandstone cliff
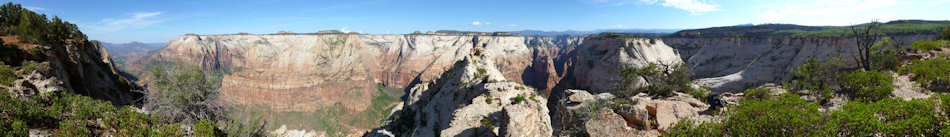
(305,73)
(734,64)
(471,99)
(82,67)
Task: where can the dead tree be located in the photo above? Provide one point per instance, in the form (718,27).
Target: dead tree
(865,38)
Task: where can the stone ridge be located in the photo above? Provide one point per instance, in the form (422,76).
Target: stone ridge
(471,99)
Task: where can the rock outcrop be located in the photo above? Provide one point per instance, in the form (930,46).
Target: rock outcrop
(79,67)
(472,98)
(583,114)
(598,61)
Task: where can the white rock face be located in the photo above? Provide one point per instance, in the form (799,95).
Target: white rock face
(734,64)
(284,132)
(473,99)
(599,61)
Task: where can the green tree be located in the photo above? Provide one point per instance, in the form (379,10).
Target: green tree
(816,77)
(865,36)
(659,80)
(32,27)
(884,55)
(946,33)
(184,94)
(10,16)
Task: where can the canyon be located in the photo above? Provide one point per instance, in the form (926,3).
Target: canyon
(300,73)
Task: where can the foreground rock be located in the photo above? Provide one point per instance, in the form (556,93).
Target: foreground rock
(640,115)
(471,99)
(82,67)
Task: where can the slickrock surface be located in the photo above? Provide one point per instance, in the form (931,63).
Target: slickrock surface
(471,99)
(642,116)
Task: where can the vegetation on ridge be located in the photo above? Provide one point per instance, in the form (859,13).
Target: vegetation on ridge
(797,117)
(900,27)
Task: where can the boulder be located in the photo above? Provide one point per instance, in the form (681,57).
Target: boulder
(637,117)
(606,123)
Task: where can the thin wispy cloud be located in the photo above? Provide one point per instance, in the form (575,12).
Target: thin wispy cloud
(694,7)
(479,23)
(818,12)
(34,8)
(135,21)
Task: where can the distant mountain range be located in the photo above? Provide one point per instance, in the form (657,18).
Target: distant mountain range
(575,32)
(120,48)
(124,53)
(898,27)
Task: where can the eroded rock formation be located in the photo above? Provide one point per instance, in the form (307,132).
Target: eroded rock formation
(81,67)
(471,99)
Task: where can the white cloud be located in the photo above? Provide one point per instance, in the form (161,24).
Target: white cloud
(825,11)
(616,26)
(34,8)
(137,20)
(511,25)
(478,23)
(694,7)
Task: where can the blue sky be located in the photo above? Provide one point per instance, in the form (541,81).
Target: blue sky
(159,21)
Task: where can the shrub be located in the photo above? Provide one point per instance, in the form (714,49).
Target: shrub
(758,94)
(867,85)
(16,128)
(7,75)
(204,128)
(184,94)
(946,33)
(884,55)
(814,75)
(917,117)
(701,93)
(517,99)
(29,66)
(253,127)
(662,81)
(73,128)
(761,118)
(925,45)
(790,115)
(486,123)
(689,128)
(932,73)
(75,115)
